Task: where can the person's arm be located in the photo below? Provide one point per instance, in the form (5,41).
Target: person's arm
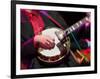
(27,44)
(31,41)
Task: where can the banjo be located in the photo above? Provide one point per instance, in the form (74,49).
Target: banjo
(62,43)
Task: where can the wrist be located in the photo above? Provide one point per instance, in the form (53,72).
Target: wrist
(36,41)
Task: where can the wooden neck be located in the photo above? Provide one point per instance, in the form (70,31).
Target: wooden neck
(76,26)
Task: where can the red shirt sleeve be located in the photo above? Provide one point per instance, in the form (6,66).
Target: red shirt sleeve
(37,23)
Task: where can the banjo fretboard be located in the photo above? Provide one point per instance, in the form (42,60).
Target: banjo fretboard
(76,25)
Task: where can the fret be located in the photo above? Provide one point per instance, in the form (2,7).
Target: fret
(80,22)
(76,25)
(73,28)
(68,30)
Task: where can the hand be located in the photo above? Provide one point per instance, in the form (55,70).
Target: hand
(45,42)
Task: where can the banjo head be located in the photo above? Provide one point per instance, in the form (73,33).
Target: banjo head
(53,55)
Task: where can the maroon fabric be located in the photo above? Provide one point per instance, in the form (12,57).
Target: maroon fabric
(36,21)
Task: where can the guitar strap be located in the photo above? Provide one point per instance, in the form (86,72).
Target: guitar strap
(52,19)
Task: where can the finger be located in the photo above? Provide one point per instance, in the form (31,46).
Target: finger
(45,46)
(51,45)
(50,40)
(48,37)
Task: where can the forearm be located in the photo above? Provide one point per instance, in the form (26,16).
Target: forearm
(28,48)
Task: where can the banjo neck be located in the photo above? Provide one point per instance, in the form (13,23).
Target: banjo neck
(75,26)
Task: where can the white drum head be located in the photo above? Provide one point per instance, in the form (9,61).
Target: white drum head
(55,51)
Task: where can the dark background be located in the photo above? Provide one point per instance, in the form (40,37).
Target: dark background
(72,17)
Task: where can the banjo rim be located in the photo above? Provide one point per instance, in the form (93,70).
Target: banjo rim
(49,60)
(52,59)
